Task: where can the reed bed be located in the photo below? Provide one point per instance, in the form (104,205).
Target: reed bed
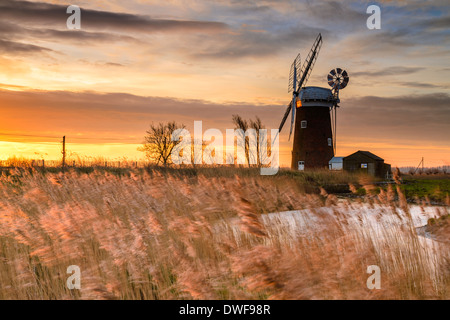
(155,235)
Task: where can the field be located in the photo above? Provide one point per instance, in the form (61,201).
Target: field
(432,190)
(216,233)
(432,187)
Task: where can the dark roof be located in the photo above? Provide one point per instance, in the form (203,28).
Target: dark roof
(368,154)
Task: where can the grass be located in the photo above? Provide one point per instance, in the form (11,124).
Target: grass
(435,190)
(432,191)
(204,234)
(310,181)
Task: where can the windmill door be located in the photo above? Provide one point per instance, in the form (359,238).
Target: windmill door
(301,165)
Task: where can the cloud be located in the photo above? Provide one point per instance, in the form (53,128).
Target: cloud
(389,71)
(419,118)
(12,31)
(30,28)
(30,20)
(91,117)
(45,14)
(338,17)
(421,85)
(18,48)
(437,23)
(11,86)
(36,27)
(79,36)
(247,43)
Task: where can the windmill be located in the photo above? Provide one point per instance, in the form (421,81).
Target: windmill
(311,109)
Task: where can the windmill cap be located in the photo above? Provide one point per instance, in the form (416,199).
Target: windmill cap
(316,96)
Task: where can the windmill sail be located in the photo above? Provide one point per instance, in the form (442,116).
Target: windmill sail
(294,103)
(298,78)
(309,62)
(338,80)
(295,67)
(286,114)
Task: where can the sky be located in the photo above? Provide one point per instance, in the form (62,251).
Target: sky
(138,62)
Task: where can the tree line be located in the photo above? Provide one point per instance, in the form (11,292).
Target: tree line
(158,144)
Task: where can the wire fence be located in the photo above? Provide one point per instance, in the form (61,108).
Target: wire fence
(126,163)
(41,163)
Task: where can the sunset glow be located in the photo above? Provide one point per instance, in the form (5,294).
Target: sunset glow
(133,63)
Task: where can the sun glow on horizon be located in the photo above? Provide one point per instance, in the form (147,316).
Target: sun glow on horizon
(397,156)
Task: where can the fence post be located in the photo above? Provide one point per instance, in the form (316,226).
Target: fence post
(63,153)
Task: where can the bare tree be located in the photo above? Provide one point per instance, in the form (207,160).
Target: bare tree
(158,144)
(243,125)
(197,157)
(257,125)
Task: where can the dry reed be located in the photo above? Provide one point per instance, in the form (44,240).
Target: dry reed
(150,235)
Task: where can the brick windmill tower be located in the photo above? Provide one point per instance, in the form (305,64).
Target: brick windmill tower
(313,113)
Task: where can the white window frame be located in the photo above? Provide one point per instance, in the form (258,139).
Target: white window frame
(304,124)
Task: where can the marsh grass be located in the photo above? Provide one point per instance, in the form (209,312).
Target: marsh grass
(155,234)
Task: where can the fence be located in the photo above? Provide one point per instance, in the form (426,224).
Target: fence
(40,163)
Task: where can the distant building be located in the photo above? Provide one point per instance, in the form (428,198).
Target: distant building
(365,161)
(336,163)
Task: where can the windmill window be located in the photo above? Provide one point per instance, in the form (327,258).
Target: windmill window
(303,124)
(329,142)
(363,165)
